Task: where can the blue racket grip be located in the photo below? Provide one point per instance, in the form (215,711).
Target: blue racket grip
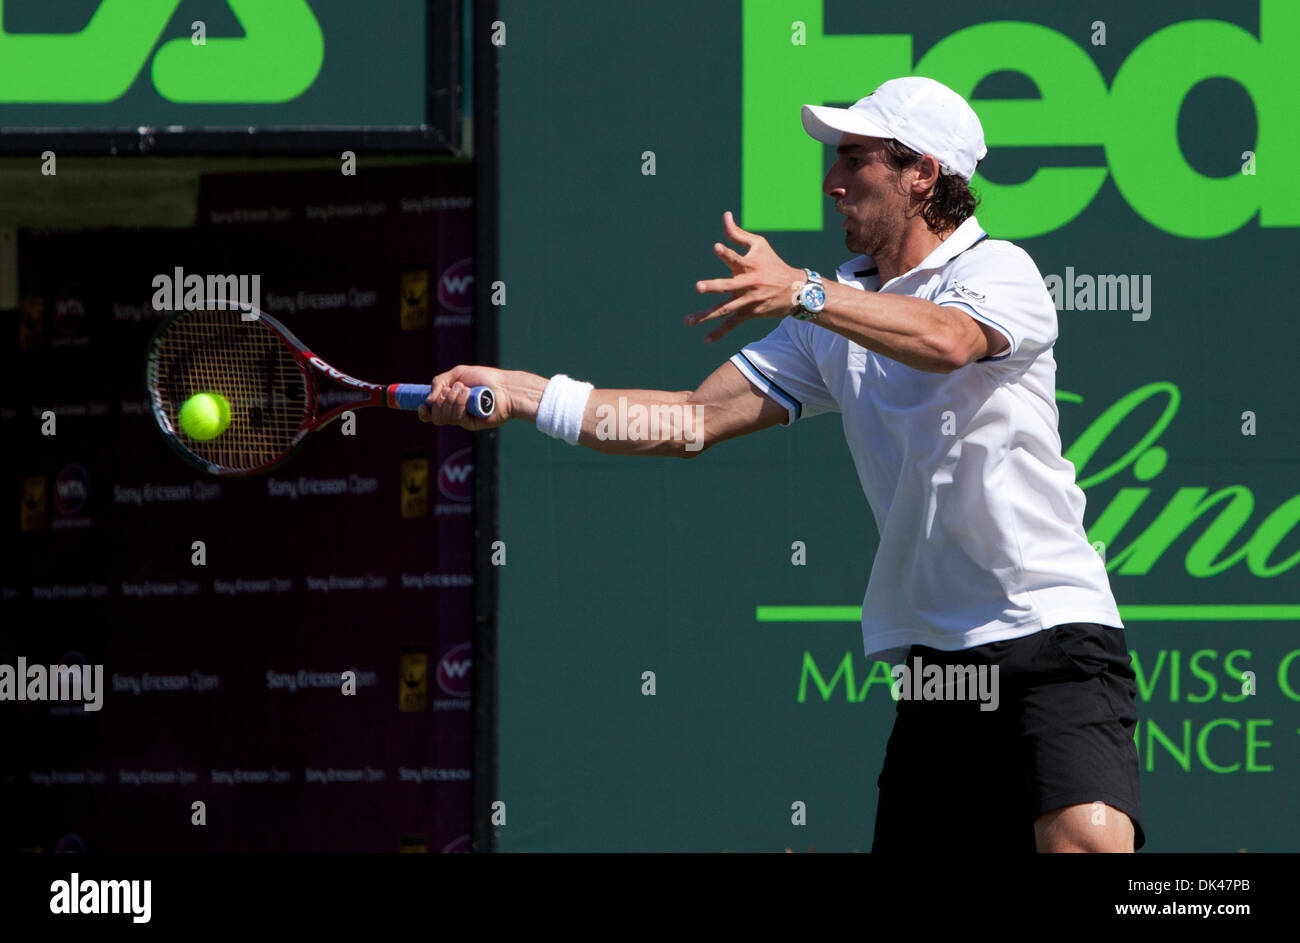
(482,401)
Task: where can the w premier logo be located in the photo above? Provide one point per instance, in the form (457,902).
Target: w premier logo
(279,57)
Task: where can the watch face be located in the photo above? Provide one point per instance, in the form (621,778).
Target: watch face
(814,297)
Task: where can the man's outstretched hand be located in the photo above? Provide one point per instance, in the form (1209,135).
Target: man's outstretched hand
(761,286)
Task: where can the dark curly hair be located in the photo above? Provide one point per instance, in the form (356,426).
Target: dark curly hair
(951,201)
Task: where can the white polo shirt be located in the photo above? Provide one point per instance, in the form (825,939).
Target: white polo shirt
(980,519)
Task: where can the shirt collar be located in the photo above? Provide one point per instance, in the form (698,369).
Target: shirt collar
(858,269)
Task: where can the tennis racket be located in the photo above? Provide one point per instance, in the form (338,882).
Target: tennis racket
(269,378)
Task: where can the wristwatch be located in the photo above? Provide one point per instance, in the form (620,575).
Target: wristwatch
(810,299)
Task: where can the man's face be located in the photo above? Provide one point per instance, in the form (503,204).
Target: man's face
(870,194)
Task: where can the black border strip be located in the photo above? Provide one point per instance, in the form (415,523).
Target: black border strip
(221,141)
(487,349)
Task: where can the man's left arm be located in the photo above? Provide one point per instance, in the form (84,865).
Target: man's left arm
(919,333)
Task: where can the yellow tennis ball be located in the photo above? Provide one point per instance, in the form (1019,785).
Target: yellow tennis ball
(204,416)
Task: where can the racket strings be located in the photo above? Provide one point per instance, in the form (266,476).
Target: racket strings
(216,351)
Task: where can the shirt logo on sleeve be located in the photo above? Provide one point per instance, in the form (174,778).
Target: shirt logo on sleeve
(974,295)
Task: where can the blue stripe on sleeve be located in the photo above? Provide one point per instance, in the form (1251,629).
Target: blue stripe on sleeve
(756,376)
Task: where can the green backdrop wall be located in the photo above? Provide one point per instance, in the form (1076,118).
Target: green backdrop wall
(1138,139)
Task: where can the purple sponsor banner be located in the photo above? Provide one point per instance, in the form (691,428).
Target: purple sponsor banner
(223,683)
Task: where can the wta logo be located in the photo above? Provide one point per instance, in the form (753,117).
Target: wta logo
(71,488)
(456,476)
(70,845)
(457,846)
(456,287)
(454,671)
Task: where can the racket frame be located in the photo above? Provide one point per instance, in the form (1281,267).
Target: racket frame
(309,364)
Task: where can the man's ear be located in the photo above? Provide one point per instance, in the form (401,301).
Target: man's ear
(927,175)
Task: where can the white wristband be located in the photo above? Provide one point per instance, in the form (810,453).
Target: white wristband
(564,401)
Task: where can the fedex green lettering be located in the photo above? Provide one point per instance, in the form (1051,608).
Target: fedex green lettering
(278,59)
(1135,120)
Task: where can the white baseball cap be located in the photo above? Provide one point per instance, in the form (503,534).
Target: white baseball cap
(923,114)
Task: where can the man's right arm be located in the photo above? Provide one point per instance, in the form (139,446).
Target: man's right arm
(618,422)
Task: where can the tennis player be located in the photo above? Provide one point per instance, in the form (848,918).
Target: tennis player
(935,346)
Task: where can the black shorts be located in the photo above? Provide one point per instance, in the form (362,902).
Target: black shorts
(1062,734)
